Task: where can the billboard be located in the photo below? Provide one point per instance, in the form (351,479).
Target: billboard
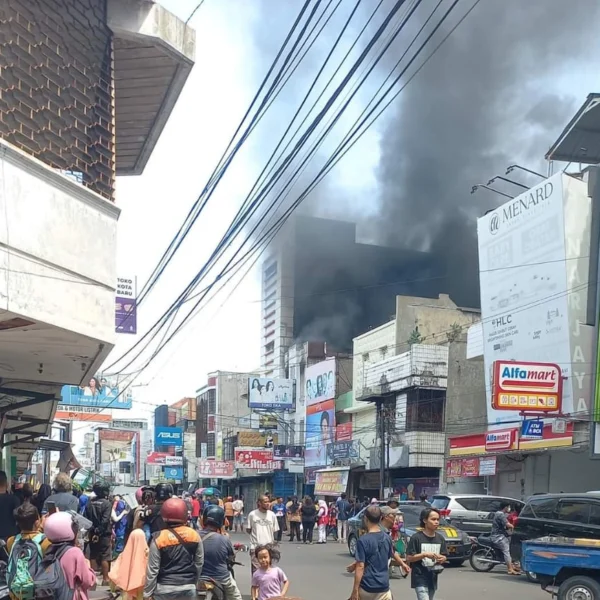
(320,382)
(331,483)
(343,451)
(256,458)
(116,444)
(280,451)
(320,428)
(269,393)
(256,439)
(343,432)
(174,474)
(525,287)
(98,392)
(266,421)
(126,305)
(526,386)
(83,414)
(168,436)
(216,468)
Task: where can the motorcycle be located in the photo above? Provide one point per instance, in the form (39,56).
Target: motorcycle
(485,556)
(209,589)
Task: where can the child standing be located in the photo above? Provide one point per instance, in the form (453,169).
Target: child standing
(268,581)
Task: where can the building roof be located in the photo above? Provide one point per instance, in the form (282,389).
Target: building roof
(579,141)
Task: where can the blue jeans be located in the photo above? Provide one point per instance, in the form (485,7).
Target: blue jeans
(425,592)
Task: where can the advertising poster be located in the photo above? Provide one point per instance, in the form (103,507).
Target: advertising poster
(412,488)
(126,305)
(524,286)
(84,414)
(320,428)
(331,483)
(288,451)
(221,469)
(267,422)
(310,475)
(256,458)
(320,382)
(343,432)
(470,467)
(268,393)
(99,392)
(174,474)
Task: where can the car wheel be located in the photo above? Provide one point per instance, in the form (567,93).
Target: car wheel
(531,576)
(579,588)
(352,545)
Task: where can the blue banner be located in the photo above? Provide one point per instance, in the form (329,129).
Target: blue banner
(173,473)
(532,429)
(168,436)
(97,394)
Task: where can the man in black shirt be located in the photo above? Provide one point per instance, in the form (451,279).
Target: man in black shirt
(98,511)
(8,504)
(426,553)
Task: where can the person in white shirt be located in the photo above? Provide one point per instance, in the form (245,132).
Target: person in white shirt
(238,514)
(262,527)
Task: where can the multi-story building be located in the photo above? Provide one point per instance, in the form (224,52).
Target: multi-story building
(87,87)
(319,284)
(404,365)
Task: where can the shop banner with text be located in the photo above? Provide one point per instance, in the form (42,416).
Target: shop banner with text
(331,483)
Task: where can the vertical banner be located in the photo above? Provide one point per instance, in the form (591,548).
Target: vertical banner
(126,305)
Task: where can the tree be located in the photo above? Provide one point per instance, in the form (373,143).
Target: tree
(415,337)
(454,333)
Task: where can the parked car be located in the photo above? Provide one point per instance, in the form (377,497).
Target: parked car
(473,513)
(566,515)
(457,541)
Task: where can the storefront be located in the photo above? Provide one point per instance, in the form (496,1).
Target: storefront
(505,463)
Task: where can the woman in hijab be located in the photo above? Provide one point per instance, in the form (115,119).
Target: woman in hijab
(322,522)
(128,572)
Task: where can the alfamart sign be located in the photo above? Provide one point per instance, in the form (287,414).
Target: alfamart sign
(526,386)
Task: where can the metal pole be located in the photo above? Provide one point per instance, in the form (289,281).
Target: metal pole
(381,447)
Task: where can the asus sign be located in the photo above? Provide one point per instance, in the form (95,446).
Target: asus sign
(168,436)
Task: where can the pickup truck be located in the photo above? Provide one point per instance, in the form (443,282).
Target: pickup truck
(568,568)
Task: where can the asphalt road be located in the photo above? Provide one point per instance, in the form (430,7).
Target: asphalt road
(318,573)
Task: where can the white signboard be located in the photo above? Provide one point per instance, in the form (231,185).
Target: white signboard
(523,280)
(173,461)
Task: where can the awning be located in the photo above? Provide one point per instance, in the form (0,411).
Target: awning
(579,142)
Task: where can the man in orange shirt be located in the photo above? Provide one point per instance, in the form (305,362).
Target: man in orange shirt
(228,513)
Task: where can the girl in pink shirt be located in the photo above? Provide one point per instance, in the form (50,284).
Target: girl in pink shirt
(268,581)
(61,529)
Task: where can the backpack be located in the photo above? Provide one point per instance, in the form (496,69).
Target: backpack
(50,582)
(24,563)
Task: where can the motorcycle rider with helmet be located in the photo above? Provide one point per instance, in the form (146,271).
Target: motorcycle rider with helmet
(162,493)
(176,556)
(218,552)
(98,511)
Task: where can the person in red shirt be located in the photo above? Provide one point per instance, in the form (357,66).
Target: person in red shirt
(195,511)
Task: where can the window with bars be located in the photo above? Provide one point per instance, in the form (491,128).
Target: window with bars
(211,445)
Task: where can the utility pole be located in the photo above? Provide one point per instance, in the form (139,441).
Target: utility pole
(380,412)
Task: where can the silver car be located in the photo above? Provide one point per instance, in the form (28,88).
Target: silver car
(472,513)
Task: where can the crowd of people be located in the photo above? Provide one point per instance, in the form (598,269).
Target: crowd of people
(167,547)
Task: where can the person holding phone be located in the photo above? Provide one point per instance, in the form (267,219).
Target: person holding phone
(62,498)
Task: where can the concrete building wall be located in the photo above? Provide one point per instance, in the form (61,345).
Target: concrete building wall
(232,400)
(433,317)
(465,398)
(57,259)
(369,348)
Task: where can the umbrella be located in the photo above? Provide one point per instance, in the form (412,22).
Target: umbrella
(209,491)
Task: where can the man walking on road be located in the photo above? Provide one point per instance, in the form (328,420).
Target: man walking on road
(344,509)
(426,553)
(262,527)
(374,550)
(238,514)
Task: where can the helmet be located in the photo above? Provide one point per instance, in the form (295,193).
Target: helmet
(163,491)
(101,489)
(60,527)
(139,495)
(174,510)
(213,514)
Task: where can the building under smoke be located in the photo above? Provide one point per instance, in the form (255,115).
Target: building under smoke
(319,284)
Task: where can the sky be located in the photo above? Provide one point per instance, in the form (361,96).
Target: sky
(235,42)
